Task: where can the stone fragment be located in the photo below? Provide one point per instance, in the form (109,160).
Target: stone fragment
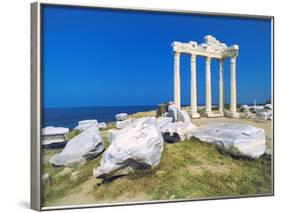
(102,125)
(85,124)
(268,106)
(82,147)
(237,139)
(123,124)
(54,137)
(138,146)
(121,116)
(178,114)
(263,115)
(244,108)
(163,121)
(179,129)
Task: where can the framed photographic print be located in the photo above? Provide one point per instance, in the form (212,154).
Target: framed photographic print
(138,105)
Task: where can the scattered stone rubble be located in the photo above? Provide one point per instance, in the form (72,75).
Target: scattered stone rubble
(54,137)
(138,143)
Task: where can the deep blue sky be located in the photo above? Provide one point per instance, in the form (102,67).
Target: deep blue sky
(94,57)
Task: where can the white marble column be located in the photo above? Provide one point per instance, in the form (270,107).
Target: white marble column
(177,93)
(233,112)
(221,87)
(208,89)
(193,95)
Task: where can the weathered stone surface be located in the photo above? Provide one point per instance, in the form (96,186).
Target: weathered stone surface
(183,116)
(86,145)
(102,125)
(50,130)
(236,139)
(263,115)
(123,124)
(85,124)
(163,121)
(231,114)
(112,134)
(244,108)
(121,116)
(178,114)
(255,109)
(53,137)
(249,115)
(135,147)
(173,112)
(182,129)
(268,106)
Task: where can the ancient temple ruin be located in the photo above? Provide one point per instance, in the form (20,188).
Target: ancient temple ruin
(210,49)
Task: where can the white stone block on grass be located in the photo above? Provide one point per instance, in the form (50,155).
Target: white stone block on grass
(123,124)
(135,147)
(184,130)
(121,116)
(86,145)
(54,135)
(85,124)
(177,114)
(102,125)
(237,139)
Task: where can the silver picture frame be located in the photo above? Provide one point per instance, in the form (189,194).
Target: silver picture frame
(36,100)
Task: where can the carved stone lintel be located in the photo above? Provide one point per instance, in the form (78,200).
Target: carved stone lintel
(210,48)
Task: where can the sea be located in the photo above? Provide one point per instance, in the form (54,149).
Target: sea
(69,116)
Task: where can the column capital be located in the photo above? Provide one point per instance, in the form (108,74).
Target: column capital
(208,58)
(176,56)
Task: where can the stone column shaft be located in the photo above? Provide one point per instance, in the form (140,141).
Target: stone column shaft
(177,93)
(208,85)
(193,89)
(233,84)
(221,87)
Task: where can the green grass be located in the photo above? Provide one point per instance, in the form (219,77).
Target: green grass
(142,114)
(61,186)
(192,169)
(189,169)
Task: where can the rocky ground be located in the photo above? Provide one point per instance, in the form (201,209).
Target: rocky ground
(188,169)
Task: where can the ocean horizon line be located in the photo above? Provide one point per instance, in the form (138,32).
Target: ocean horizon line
(150,105)
(60,107)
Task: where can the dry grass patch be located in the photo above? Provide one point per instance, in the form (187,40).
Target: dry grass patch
(151,113)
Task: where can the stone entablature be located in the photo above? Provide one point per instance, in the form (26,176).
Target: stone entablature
(210,49)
